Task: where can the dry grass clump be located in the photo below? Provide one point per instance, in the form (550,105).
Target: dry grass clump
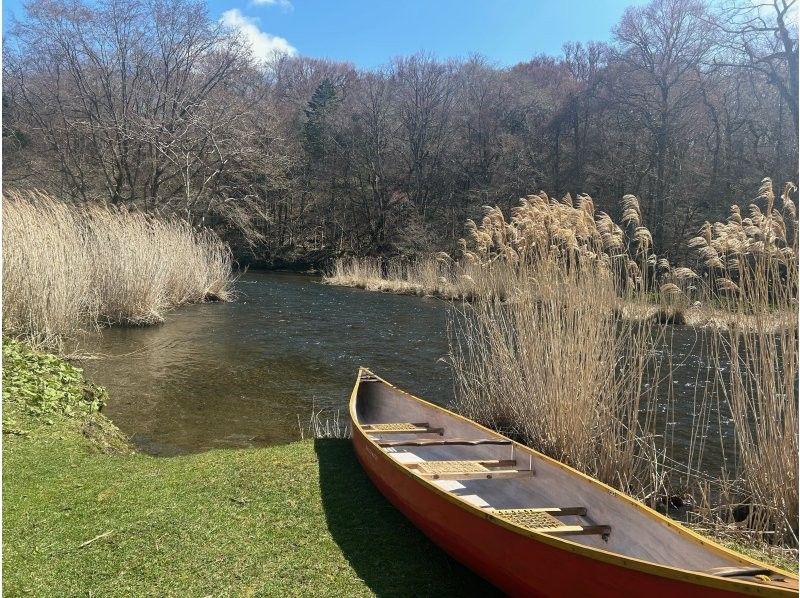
(555,369)
(755,269)
(386,275)
(540,226)
(68,267)
(541,355)
(760,392)
(437,276)
(749,266)
(324,424)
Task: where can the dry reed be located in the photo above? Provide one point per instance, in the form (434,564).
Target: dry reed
(554,369)
(755,269)
(323,424)
(70,267)
(539,354)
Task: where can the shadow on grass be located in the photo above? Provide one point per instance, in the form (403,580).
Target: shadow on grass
(383,547)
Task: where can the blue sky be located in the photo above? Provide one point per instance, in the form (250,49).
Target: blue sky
(370,32)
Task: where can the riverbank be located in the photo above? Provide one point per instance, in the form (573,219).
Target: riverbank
(454,289)
(84,514)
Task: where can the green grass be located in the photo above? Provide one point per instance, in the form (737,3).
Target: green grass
(300,519)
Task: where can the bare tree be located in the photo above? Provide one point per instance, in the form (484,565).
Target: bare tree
(662,46)
(126,95)
(762,36)
(425,90)
(152,104)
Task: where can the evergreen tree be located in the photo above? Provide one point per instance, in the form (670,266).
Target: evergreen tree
(318,128)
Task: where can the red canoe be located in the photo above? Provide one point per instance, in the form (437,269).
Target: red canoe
(530,525)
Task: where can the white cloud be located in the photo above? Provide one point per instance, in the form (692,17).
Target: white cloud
(264,45)
(284,4)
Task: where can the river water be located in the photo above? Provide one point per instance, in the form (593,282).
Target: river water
(250,373)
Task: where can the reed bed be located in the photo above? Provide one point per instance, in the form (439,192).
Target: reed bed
(756,271)
(428,277)
(454,280)
(648,287)
(556,370)
(69,267)
(558,347)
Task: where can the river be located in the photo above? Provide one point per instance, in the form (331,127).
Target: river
(249,373)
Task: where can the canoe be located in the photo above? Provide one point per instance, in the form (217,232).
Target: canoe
(528,524)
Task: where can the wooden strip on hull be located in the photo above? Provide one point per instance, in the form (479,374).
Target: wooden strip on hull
(518,565)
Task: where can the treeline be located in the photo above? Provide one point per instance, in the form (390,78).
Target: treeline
(152,103)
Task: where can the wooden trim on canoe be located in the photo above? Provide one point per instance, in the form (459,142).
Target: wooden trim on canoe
(479,475)
(443,442)
(700,578)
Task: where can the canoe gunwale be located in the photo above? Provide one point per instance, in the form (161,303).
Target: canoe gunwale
(699,578)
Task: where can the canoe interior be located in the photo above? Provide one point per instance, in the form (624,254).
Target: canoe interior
(634,532)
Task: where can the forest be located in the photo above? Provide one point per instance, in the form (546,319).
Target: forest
(155,106)
(598,248)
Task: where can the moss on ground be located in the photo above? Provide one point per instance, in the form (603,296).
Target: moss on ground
(82,515)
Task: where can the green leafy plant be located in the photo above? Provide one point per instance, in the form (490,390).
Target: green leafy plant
(43,385)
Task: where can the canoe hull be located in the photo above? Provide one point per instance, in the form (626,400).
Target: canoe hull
(517,564)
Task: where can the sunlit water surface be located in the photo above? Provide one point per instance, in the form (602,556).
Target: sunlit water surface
(250,372)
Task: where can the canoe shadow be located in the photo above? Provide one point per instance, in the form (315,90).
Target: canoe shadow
(382,546)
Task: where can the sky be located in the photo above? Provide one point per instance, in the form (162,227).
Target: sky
(369,33)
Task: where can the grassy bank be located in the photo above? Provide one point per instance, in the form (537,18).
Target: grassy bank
(69,267)
(83,516)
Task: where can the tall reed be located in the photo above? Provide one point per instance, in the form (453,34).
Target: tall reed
(541,353)
(756,274)
(69,267)
(554,368)
(550,364)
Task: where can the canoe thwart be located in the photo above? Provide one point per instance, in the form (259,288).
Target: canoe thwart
(542,521)
(402,428)
(578,530)
(443,442)
(491,474)
(451,466)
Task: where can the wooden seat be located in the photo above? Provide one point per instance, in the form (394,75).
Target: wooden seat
(543,520)
(402,428)
(468,470)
